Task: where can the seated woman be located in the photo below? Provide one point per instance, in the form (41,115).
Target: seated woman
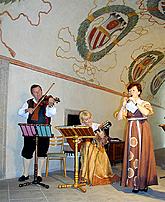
(95,165)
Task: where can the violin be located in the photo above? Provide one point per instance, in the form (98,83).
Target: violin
(44,100)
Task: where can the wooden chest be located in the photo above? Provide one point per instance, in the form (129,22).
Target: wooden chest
(115,150)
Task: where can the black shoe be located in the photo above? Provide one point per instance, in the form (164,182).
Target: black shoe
(23,178)
(145,189)
(135,190)
(39,179)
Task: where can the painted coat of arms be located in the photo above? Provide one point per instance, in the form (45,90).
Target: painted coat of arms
(102,34)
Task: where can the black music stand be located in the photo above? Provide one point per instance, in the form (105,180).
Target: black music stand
(75,132)
(163,127)
(35,130)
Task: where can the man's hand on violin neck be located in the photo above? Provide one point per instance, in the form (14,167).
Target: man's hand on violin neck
(51,102)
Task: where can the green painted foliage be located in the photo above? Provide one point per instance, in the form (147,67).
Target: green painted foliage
(8,1)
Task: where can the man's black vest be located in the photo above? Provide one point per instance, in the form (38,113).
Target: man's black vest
(42,118)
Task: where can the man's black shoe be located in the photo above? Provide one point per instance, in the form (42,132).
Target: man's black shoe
(39,178)
(23,178)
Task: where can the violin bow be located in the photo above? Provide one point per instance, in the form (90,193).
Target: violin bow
(43,97)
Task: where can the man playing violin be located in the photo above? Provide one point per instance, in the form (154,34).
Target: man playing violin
(37,110)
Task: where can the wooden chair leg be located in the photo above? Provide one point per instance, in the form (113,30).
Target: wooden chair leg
(47,166)
(61,163)
(64,166)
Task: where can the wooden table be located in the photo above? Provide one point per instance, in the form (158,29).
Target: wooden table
(162,126)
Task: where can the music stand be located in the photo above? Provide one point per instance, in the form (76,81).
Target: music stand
(163,127)
(75,132)
(35,130)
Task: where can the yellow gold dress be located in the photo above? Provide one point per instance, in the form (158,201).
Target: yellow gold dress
(95,165)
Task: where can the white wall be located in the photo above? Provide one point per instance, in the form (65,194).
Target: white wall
(157,119)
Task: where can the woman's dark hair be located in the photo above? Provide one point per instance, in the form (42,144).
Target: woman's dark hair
(34,86)
(138,85)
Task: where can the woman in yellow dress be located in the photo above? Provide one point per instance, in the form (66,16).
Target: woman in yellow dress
(95,165)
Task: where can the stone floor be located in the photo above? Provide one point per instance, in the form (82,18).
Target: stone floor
(11,192)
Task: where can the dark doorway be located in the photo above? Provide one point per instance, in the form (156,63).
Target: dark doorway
(73,119)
